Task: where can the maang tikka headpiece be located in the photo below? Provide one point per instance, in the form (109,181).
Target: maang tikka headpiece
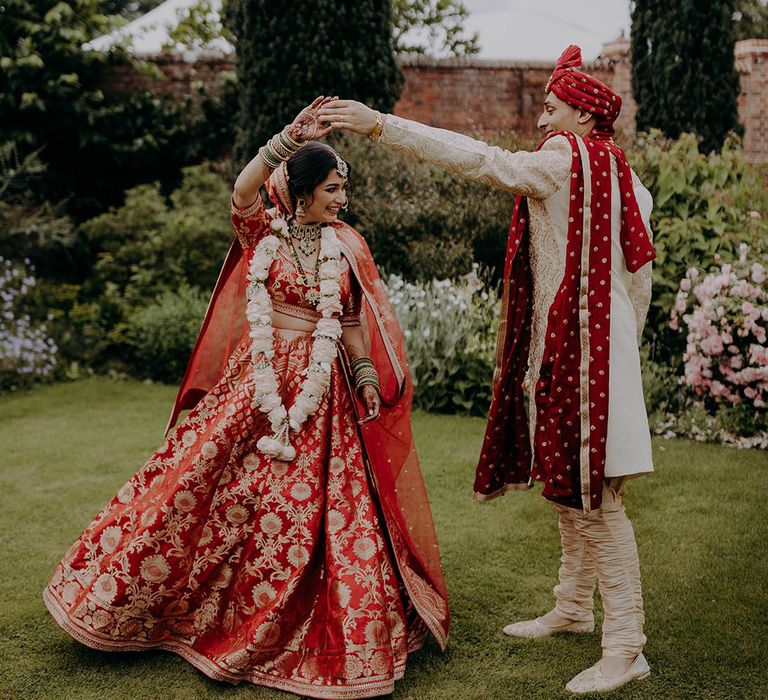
(341,167)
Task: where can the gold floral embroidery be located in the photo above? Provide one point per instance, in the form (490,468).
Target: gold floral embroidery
(211,538)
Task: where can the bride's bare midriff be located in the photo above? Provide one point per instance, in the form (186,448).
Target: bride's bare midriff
(291,323)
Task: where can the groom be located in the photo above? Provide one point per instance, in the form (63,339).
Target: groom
(576,292)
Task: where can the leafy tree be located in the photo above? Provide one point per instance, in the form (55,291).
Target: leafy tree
(197,28)
(44,70)
(431,27)
(750,21)
(434,27)
(285,59)
(129,9)
(683,74)
(94,145)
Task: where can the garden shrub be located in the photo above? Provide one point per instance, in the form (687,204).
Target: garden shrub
(704,206)
(152,243)
(658,378)
(742,419)
(161,335)
(420,221)
(149,246)
(726,328)
(450,340)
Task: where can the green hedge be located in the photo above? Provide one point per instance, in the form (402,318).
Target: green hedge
(151,247)
(705,206)
(162,334)
(422,222)
(159,254)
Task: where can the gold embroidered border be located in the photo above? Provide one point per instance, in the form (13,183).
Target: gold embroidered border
(586,229)
(250,210)
(301,312)
(394,361)
(364,688)
(501,333)
(428,616)
(483,497)
(347,321)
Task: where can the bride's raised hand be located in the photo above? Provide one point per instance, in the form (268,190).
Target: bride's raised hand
(307,125)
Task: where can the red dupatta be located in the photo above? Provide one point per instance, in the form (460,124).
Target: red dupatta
(571,395)
(388,441)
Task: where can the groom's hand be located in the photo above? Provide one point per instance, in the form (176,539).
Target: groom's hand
(348,115)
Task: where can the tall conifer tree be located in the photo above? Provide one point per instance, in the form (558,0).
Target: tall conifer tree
(288,53)
(683,72)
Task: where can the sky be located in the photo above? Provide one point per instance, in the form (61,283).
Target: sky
(541,29)
(509,29)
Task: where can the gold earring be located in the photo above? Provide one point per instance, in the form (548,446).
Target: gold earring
(300,211)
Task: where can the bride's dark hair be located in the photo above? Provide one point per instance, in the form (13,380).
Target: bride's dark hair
(308,167)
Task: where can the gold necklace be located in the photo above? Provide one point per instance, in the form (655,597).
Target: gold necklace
(306,235)
(312,294)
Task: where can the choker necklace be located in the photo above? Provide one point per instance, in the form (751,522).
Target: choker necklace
(306,235)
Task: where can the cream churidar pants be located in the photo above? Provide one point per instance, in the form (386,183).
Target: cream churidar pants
(602,546)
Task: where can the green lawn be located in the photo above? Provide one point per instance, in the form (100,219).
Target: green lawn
(700,523)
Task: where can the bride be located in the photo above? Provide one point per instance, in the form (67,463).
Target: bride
(281,534)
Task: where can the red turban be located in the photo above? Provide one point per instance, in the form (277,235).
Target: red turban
(582,91)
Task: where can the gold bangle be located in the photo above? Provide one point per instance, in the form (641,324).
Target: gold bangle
(378,127)
(291,142)
(269,157)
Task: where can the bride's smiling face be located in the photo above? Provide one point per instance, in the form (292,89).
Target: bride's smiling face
(323,205)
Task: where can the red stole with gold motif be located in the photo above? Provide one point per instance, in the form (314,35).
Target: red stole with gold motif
(570,399)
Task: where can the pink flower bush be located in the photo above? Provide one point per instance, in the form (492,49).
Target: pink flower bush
(726,321)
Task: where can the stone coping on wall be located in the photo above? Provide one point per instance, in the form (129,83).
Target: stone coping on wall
(751,46)
(416,61)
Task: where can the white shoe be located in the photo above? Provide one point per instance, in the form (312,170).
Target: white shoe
(593,681)
(534,629)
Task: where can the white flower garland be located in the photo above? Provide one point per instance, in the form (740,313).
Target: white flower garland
(324,347)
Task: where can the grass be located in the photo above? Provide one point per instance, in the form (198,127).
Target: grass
(700,523)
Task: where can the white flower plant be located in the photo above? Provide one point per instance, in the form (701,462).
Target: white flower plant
(27,352)
(450,338)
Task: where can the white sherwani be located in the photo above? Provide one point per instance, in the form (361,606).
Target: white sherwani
(544,178)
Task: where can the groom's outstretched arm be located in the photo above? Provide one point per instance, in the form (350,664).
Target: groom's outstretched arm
(533,174)
(536,174)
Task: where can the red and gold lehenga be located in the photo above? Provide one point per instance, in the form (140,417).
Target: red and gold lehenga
(318,576)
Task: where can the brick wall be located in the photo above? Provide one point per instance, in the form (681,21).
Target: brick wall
(178,78)
(479,96)
(472,95)
(476,96)
(752,64)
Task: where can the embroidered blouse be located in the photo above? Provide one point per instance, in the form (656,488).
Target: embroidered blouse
(285,283)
